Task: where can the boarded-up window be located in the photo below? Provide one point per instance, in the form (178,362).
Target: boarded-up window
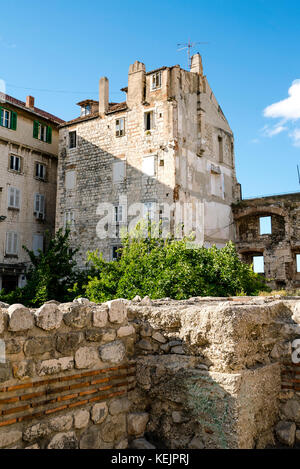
(70,180)
(118,171)
(217,185)
(149,165)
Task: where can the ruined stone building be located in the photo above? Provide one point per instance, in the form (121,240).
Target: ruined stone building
(28,172)
(268,235)
(168,142)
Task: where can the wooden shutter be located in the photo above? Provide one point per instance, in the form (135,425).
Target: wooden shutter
(49,135)
(13,120)
(11,196)
(8,242)
(15,243)
(36,129)
(17,198)
(36,202)
(42,204)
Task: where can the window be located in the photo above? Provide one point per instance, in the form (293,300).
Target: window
(85,110)
(149,210)
(8,119)
(148,167)
(118,171)
(72,139)
(156,80)
(149,120)
(38,244)
(70,180)
(120,127)
(118,214)
(69,219)
(220,143)
(15,163)
(39,206)
(258,264)
(217,184)
(40,171)
(265,225)
(298,263)
(116,252)
(13,197)
(11,246)
(42,132)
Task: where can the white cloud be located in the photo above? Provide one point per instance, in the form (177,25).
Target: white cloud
(271,131)
(295,134)
(288,108)
(288,111)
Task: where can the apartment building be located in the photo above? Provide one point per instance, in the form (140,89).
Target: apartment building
(168,142)
(28,172)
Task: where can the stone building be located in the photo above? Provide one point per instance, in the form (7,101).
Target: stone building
(168,142)
(28,171)
(268,235)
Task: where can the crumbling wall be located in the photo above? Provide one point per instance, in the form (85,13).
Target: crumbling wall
(65,375)
(209,370)
(199,373)
(281,246)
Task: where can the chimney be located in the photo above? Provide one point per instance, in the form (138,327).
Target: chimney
(196,64)
(103,95)
(30,102)
(136,83)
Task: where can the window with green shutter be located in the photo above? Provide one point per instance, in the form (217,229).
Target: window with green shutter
(13,121)
(49,134)
(8,119)
(36,129)
(42,132)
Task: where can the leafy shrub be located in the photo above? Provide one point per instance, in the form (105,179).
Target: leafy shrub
(170,268)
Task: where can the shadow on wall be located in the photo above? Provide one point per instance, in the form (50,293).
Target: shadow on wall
(92,176)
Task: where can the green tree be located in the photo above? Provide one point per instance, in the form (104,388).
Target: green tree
(51,275)
(170,268)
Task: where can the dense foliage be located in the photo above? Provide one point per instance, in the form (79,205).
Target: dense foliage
(170,268)
(146,266)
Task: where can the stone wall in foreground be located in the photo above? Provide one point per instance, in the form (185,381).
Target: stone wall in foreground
(212,372)
(66,376)
(199,373)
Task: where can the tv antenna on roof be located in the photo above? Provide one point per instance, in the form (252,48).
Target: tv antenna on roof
(188,46)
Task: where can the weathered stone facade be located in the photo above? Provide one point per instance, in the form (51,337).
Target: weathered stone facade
(199,373)
(25,218)
(281,246)
(182,152)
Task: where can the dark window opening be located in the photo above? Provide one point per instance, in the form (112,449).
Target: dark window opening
(72,139)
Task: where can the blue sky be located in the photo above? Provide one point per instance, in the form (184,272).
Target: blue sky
(251,61)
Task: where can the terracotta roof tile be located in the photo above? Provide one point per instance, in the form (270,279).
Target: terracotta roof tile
(35,110)
(112,107)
